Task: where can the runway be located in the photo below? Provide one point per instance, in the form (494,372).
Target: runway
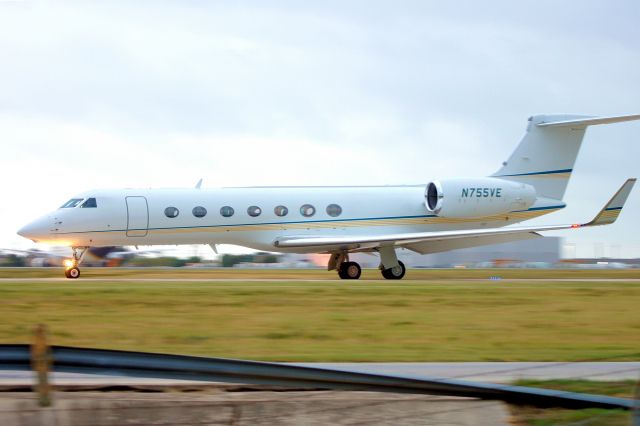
(496,372)
(330,278)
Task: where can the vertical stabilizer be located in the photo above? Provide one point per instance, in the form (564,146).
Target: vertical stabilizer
(545,156)
(547,152)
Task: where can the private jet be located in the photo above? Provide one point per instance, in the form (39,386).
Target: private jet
(441,215)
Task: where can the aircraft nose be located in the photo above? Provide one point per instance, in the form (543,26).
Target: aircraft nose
(35,230)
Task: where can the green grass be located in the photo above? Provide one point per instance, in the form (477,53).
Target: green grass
(621,389)
(439,316)
(547,417)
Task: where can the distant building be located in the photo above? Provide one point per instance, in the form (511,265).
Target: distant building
(604,261)
(539,250)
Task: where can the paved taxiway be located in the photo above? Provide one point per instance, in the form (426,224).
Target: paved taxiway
(285,281)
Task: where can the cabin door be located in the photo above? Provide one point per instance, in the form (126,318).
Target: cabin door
(137,216)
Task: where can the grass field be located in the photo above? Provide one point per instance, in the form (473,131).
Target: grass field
(594,416)
(438,315)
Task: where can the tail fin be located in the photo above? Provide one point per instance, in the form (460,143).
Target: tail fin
(547,152)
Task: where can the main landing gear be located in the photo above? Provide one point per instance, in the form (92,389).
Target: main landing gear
(71,269)
(349,271)
(346,270)
(395,273)
(390,267)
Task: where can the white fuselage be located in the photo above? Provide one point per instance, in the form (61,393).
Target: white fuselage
(444,214)
(137,216)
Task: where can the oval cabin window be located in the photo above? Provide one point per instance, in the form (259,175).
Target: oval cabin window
(281,211)
(254,211)
(334,210)
(171,212)
(307,210)
(226,211)
(199,211)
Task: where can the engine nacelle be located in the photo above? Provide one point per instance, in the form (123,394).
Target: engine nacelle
(478,197)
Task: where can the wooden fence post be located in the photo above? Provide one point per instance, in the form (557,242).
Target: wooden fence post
(40,364)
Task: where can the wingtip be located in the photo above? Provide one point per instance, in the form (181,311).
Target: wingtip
(629,183)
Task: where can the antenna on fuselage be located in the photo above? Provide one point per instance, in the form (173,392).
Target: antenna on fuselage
(199,184)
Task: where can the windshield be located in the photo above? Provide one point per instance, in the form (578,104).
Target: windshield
(91,202)
(71,203)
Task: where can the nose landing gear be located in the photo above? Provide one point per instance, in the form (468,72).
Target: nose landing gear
(72,272)
(71,269)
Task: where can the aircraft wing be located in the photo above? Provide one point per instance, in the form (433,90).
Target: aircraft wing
(420,241)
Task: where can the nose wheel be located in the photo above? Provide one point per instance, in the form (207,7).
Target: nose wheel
(71,269)
(73,272)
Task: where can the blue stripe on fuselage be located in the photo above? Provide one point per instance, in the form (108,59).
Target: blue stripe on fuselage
(287,223)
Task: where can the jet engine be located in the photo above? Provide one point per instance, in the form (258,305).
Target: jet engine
(477,197)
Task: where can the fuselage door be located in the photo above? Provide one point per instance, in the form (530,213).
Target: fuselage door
(137,216)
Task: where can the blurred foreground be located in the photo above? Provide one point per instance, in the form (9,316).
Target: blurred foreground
(560,315)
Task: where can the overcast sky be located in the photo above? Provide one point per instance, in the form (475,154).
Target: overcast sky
(153,94)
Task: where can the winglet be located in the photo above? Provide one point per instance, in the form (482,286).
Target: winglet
(612,209)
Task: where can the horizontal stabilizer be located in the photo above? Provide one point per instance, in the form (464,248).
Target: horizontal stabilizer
(589,121)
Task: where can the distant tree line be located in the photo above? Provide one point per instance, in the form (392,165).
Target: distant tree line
(12,261)
(229,260)
(170,261)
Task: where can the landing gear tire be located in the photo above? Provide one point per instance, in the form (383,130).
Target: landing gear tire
(349,271)
(73,272)
(395,273)
(71,265)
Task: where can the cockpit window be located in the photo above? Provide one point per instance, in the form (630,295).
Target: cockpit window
(71,203)
(89,203)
